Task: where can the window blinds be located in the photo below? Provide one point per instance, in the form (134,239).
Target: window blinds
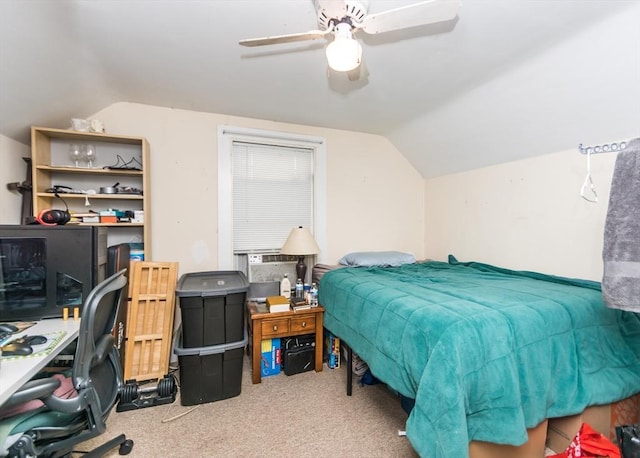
(272,193)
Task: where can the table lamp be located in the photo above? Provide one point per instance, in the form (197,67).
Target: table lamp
(300,243)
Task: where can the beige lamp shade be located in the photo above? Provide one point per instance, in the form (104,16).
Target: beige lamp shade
(300,243)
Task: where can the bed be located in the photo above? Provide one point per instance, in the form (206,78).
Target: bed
(485,352)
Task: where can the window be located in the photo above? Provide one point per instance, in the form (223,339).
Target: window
(268,183)
(272,192)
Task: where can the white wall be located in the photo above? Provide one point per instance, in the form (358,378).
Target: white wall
(585,89)
(13,170)
(525,215)
(374,202)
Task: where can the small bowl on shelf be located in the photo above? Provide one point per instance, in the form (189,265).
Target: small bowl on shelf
(80,125)
(109,190)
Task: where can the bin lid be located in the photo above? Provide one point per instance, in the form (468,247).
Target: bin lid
(179,350)
(214,283)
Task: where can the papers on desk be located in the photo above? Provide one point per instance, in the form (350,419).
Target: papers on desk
(22,325)
(53,339)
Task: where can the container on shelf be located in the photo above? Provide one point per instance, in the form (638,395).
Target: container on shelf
(136,251)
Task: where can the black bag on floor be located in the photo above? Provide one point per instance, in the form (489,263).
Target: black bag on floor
(298,354)
(629,440)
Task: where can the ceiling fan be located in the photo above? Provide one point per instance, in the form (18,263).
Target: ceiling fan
(339,20)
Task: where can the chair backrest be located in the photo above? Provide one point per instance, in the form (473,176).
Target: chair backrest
(118,258)
(96,365)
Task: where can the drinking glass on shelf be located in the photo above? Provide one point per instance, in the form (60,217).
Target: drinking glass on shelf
(89,154)
(75,153)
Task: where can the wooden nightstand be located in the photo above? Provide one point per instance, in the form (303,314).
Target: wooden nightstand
(265,325)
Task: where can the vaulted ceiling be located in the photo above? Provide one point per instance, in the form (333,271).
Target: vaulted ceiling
(507,79)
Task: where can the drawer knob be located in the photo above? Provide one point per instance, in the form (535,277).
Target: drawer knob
(275,328)
(304,324)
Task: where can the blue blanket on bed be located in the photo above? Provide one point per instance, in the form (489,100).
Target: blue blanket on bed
(485,352)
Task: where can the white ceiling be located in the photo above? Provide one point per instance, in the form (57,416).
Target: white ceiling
(508,79)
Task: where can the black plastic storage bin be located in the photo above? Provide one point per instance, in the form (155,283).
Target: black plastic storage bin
(212,306)
(211,373)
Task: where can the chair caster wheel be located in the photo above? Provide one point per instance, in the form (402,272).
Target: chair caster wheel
(125,447)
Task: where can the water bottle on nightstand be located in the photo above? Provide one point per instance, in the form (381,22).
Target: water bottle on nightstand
(313,295)
(299,289)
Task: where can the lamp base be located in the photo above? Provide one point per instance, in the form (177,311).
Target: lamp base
(301,269)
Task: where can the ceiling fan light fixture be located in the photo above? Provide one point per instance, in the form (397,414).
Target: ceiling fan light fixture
(344,53)
(340,19)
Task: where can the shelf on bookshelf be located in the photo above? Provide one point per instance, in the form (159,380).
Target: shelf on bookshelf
(85,170)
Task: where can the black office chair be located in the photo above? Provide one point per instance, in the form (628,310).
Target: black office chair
(55,429)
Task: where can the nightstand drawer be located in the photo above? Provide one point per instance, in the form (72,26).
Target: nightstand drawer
(272,328)
(303,323)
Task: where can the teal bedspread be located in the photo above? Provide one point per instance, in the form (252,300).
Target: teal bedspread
(485,352)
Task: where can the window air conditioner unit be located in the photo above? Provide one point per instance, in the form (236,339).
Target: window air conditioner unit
(270,267)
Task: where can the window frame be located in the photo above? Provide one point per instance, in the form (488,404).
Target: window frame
(227,135)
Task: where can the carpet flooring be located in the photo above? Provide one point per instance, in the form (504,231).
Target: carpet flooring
(305,415)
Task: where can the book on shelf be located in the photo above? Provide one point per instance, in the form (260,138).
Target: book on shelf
(277,304)
(86,217)
(299,305)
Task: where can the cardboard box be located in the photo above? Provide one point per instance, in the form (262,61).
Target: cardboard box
(533,448)
(603,419)
(271,357)
(332,350)
(112,212)
(108,219)
(138,216)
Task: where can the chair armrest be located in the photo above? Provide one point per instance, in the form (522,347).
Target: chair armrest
(33,389)
(69,405)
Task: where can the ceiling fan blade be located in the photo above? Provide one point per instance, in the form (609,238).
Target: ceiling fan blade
(328,9)
(422,13)
(277,39)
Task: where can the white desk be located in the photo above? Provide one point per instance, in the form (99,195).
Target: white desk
(16,372)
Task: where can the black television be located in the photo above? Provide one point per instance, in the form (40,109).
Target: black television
(44,269)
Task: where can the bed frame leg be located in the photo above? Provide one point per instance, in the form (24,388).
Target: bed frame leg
(349,368)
